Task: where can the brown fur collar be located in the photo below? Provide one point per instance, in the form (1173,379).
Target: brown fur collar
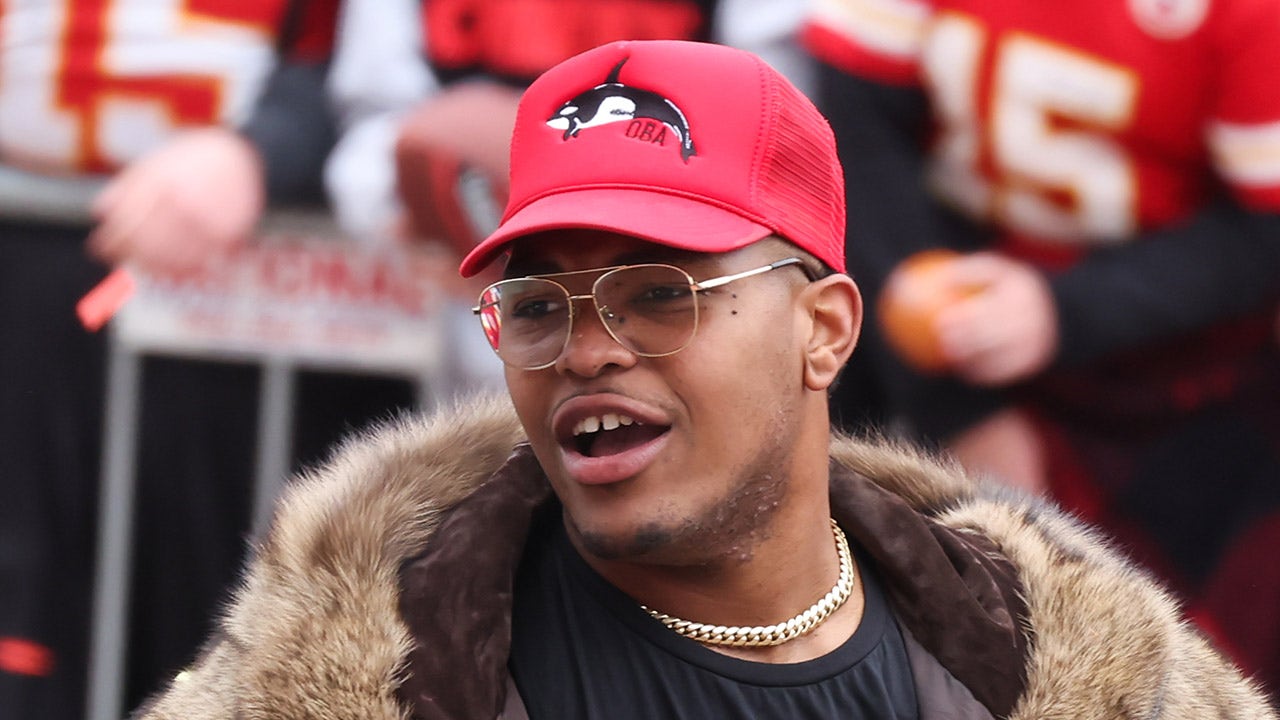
(315,631)
(1107,641)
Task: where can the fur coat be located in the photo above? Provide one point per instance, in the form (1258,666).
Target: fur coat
(317,630)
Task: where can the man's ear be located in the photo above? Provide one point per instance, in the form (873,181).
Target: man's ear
(834,307)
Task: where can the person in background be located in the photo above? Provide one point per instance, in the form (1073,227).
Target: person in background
(666,525)
(423,92)
(86,89)
(1109,174)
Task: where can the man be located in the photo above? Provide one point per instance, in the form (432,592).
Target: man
(676,533)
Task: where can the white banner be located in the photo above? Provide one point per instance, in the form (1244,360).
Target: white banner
(303,298)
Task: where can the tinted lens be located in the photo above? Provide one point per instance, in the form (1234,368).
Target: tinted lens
(650,309)
(526,320)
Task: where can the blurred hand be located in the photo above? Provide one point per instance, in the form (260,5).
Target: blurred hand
(1007,447)
(466,128)
(195,198)
(1005,333)
(471,121)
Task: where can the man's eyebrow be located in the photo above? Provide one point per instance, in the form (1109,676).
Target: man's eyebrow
(519,267)
(526,267)
(668,255)
(659,254)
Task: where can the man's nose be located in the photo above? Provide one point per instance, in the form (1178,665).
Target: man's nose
(591,348)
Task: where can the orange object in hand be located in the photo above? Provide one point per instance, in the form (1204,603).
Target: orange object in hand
(914,293)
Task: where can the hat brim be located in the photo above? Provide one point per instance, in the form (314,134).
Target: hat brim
(675,220)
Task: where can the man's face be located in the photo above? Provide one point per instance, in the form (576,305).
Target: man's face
(701,450)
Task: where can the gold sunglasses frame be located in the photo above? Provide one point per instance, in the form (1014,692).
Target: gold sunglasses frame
(695,286)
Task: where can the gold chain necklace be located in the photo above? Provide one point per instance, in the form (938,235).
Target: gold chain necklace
(763,635)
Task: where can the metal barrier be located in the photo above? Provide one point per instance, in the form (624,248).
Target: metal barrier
(301,297)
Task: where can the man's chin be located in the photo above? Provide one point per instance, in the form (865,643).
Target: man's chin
(630,542)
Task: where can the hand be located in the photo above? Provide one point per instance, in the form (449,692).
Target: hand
(1005,333)
(195,198)
(471,121)
(1005,446)
(465,128)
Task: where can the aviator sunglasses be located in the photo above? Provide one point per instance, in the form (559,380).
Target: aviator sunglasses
(650,309)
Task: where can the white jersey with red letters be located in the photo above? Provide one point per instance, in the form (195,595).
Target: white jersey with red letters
(88,85)
(1077,124)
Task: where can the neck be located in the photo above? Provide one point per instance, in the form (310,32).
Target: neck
(781,573)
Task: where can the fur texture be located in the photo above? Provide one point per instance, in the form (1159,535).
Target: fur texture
(1107,641)
(315,633)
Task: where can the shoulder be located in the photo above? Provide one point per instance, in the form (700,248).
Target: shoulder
(879,39)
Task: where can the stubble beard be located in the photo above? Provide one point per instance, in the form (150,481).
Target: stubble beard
(726,530)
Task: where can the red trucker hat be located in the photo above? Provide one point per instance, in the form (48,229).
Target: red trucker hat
(697,146)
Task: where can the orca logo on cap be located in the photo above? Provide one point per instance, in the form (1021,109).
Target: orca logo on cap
(649,114)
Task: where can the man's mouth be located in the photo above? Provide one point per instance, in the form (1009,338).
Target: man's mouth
(611,434)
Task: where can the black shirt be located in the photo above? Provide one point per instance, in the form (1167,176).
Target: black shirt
(581,648)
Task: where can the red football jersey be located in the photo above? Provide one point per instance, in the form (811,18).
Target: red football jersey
(1084,122)
(88,85)
(521,39)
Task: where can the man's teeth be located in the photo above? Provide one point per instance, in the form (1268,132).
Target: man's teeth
(608,421)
